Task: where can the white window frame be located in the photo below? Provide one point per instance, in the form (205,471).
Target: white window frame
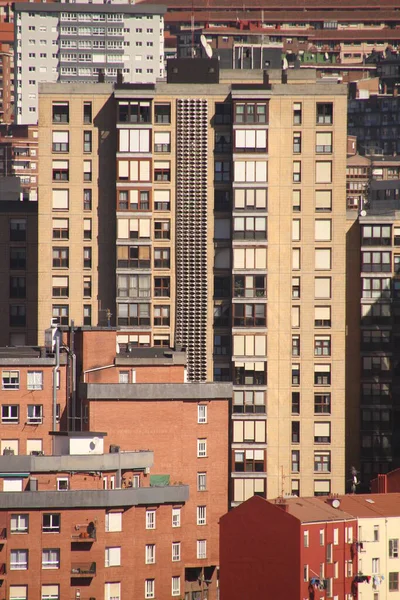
(150,519)
(175,585)
(37,383)
(34,418)
(149,588)
(176,551)
(202,413)
(50,564)
(118,525)
(21,562)
(150,554)
(201,448)
(10,374)
(112,556)
(176,517)
(202,481)
(201,549)
(62,480)
(201,515)
(22,523)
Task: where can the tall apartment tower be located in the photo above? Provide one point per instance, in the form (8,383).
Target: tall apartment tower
(230,208)
(82,42)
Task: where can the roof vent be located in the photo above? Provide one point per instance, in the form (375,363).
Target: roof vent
(370,500)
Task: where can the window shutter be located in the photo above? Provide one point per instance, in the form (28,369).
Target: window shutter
(240,137)
(60,137)
(238,258)
(261,171)
(322,313)
(323,258)
(123,229)
(322,429)
(261,198)
(295,316)
(60,199)
(260,434)
(239,198)
(144,168)
(238,345)
(144,228)
(249,345)
(323,199)
(123,140)
(323,173)
(240,170)
(162,137)
(238,431)
(123,169)
(134,170)
(144,140)
(261,258)
(134,140)
(322,487)
(322,287)
(261,139)
(323,230)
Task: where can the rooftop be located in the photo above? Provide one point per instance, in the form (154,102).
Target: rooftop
(155,391)
(137,9)
(312,510)
(371,505)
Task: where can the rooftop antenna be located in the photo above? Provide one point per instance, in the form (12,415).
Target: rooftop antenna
(354,480)
(192,29)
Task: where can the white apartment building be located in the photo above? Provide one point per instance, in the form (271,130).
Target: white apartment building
(377,545)
(80,43)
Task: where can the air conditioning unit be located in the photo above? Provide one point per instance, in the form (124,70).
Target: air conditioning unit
(114,449)
(147,470)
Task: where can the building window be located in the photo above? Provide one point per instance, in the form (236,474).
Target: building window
(223,113)
(394,548)
(323,142)
(19,523)
(375,566)
(60,313)
(87,112)
(112,557)
(376,536)
(35,380)
(296,171)
(201,482)
(113,522)
(18,560)
(295,403)
(377,235)
(222,171)
(60,141)
(162,230)
(201,515)
(50,592)
(322,316)
(87,170)
(60,258)
(306,539)
(87,141)
(394,582)
(248,286)
(297,113)
(17,287)
(176,586)
(249,315)
(296,200)
(149,588)
(202,413)
(297,142)
(322,462)
(150,554)
(87,199)
(161,258)
(295,461)
(17,315)
(87,287)
(176,517)
(17,230)
(322,374)
(201,448)
(10,380)
(161,316)
(162,113)
(87,258)
(150,519)
(324,113)
(60,229)
(296,372)
(295,432)
(9,412)
(176,551)
(87,314)
(60,170)
(322,404)
(322,433)
(251,112)
(62,484)
(51,523)
(296,350)
(201,548)
(322,345)
(17,258)
(60,112)
(60,286)
(162,171)
(222,200)
(295,288)
(323,200)
(133,314)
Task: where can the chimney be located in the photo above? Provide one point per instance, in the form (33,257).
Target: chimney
(101,77)
(266,83)
(120,77)
(382,484)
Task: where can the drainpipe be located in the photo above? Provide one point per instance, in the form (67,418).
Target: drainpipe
(55,378)
(96,369)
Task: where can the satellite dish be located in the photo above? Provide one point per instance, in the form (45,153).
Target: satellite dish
(203,41)
(96,440)
(285,64)
(363,213)
(209,50)
(326,56)
(336,503)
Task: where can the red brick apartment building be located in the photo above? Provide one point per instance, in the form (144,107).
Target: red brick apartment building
(291,548)
(386,483)
(151,464)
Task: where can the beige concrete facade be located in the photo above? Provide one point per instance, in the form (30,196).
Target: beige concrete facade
(239,270)
(70,207)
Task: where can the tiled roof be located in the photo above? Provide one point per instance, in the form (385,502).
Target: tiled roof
(371,505)
(312,510)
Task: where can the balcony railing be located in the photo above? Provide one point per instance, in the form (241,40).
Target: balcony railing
(84,533)
(83,569)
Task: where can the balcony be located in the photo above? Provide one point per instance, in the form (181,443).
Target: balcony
(84,533)
(83,569)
